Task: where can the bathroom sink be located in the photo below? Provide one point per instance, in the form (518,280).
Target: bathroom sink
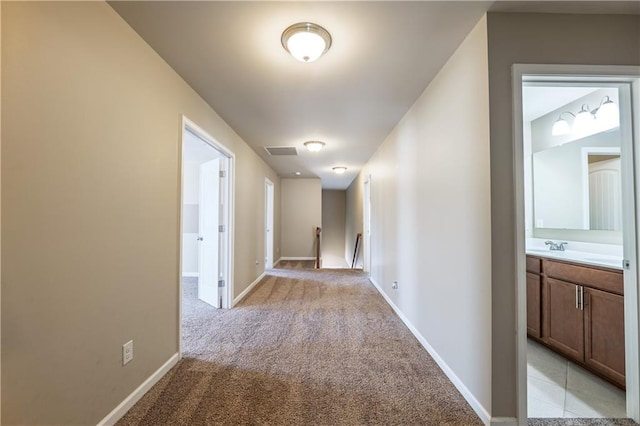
(600,259)
(542,251)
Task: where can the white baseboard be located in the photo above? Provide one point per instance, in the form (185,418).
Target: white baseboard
(248,289)
(296,258)
(190,274)
(135,396)
(276,262)
(504,421)
(471,399)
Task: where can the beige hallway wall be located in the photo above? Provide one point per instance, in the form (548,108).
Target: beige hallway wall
(431,217)
(301,207)
(333,229)
(518,39)
(90,209)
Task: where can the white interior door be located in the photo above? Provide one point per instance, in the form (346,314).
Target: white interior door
(208,233)
(268,238)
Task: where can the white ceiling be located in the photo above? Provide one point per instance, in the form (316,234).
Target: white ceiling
(383,56)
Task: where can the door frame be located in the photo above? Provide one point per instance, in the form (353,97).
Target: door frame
(366,225)
(227,213)
(611,74)
(269,185)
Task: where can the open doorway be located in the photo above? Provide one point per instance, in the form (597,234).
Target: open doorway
(206,253)
(268,226)
(577,282)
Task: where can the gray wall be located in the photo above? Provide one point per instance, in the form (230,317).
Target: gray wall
(90,204)
(430,216)
(538,39)
(333,228)
(301,204)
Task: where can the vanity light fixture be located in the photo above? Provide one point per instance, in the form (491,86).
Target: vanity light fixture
(339,170)
(314,146)
(306,41)
(605,116)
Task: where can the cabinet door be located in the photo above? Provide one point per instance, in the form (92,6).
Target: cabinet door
(533,305)
(564,321)
(604,333)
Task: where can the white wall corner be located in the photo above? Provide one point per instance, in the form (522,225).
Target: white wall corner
(479,409)
(248,289)
(122,408)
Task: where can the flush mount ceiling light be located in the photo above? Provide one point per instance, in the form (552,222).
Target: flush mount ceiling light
(306,41)
(339,169)
(314,146)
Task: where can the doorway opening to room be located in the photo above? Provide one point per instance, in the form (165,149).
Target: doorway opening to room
(268,226)
(577,264)
(206,222)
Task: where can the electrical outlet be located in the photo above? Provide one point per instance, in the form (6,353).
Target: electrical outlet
(394,285)
(127,352)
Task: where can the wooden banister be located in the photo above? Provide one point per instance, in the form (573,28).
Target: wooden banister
(355,250)
(318,231)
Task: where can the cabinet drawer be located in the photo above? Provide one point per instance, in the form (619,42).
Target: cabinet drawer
(533,265)
(592,277)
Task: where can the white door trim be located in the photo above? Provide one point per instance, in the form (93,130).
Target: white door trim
(228,213)
(613,74)
(366,226)
(267,225)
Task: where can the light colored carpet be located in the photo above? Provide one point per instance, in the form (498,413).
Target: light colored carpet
(306,347)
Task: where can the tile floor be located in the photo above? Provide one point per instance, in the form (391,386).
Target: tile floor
(557,387)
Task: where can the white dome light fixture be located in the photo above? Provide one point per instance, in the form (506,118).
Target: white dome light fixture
(608,113)
(561,127)
(584,120)
(306,41)
(339,170)
(314,146)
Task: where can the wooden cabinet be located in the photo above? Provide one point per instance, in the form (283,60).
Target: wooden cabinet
(604,333)
(578,311)
(564,319)
(534,319)
(534,297)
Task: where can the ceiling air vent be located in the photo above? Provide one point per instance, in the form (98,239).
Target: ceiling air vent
(281,150)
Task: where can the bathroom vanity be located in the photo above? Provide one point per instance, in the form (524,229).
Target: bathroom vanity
(577,310)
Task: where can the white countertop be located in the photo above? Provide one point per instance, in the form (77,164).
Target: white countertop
(593,259)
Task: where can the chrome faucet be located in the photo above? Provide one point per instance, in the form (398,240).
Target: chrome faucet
(556,246)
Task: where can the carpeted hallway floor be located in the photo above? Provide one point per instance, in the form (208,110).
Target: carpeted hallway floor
(306,347)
